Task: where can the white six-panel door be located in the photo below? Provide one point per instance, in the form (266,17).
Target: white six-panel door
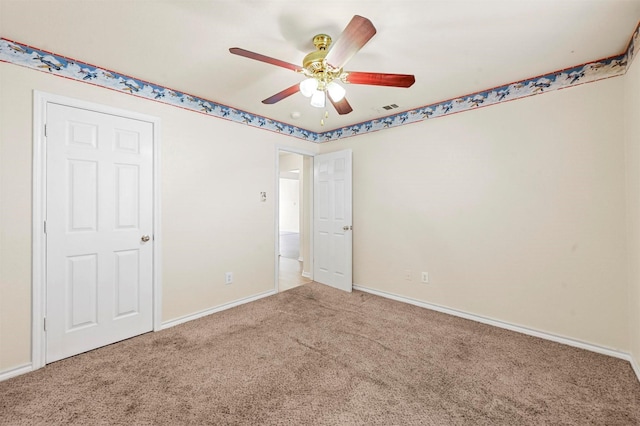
(332,219)
(99,212)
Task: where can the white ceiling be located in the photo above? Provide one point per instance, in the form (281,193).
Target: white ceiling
(453,47)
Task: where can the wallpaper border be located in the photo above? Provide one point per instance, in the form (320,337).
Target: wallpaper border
(27,56)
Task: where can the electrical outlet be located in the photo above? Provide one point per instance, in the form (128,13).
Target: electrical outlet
(425,277)
(228,277)
(407,275)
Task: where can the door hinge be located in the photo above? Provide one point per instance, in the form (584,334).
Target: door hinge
(45,130)
(44,323)
(45,226)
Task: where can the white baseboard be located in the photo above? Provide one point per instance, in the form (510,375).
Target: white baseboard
(16,371)
(27,368)
(306,274)
(191,317)
(501,324)
(635,366)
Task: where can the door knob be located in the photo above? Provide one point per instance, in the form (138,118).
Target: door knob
(347,228)
(145,238)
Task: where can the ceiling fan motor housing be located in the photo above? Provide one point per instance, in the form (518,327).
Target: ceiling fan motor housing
(314,64)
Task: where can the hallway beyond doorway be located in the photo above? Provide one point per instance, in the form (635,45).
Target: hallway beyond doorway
(290,245)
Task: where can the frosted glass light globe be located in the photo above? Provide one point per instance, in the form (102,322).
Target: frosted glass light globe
(308,86)
(336,91)
(318,99)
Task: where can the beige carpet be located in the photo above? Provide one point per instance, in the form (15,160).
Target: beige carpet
(317,356)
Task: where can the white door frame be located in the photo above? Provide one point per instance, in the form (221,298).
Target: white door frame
(38,266)
(310,154)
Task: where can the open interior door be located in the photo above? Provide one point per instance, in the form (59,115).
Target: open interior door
(332,215)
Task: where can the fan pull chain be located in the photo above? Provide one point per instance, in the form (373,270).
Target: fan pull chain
(326,115)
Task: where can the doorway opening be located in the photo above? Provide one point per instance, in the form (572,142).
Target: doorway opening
(294,233)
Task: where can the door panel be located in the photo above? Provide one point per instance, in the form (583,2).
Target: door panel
(83,195)
(332,220)
(127,196)
(81,289)
(99,205)
(127,285)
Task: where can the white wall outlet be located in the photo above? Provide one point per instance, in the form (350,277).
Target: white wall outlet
(407,275)
(425,277)
(228,277)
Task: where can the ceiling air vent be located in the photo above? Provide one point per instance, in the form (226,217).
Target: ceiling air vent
(386,108)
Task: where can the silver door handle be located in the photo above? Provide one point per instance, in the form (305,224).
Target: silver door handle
(347,228)
(145,238)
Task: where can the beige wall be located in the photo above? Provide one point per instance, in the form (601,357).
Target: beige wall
(288,162)
(632,143)
(290,192)
(289,211)
(307,207)
(212,219)
(516,211)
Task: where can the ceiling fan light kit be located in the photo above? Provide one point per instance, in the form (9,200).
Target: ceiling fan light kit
(324,65)
(318,99)
(308,86)
(336,91)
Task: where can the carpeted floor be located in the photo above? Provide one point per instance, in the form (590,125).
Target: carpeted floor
(317,356)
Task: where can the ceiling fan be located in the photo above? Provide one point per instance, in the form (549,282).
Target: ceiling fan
(324,67)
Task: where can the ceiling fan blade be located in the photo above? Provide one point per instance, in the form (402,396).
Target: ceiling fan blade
(263,58)
(281,95)
(342,106)
(380,79)
(357,33)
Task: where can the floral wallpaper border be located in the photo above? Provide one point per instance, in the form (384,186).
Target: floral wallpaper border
(30,57)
